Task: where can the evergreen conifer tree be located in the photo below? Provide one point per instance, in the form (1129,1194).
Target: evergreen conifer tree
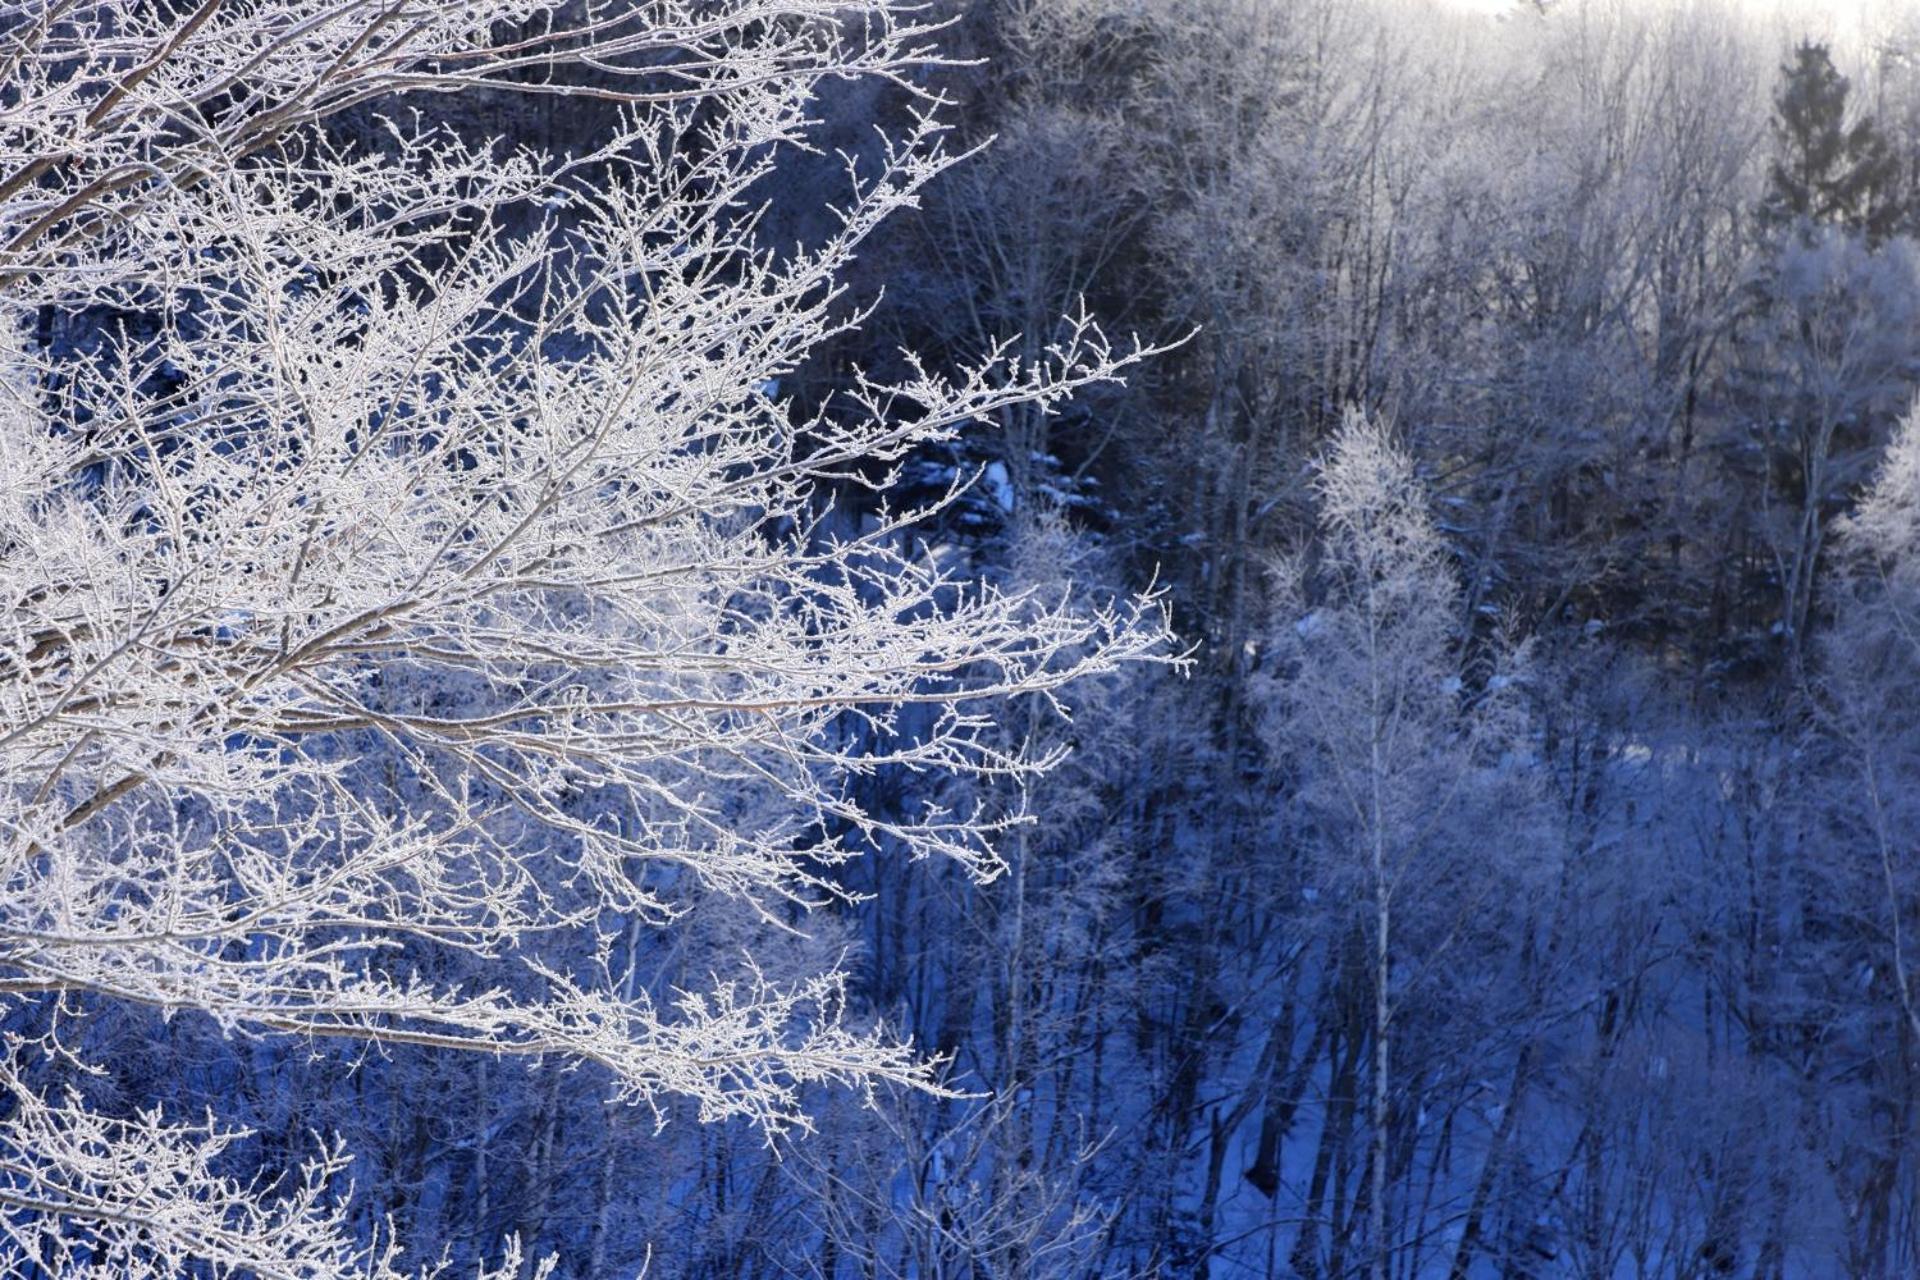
(1827,171)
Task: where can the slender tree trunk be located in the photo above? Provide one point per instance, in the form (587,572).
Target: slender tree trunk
(1282,1098)
(1382,971)
(1342,1052)
(482,1170)
(1491,1168)
(1382,1017)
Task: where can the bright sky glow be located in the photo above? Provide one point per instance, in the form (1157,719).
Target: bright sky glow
(1840,20)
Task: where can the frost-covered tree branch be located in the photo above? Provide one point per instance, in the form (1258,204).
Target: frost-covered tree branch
(435,567)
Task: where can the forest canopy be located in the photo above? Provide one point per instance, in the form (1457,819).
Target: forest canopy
(1005,638)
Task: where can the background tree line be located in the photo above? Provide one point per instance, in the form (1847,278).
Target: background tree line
(1629,291)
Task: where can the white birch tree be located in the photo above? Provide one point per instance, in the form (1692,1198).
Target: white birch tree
(433,567)
(1392,746)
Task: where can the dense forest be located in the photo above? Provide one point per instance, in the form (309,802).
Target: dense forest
(1368,724)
